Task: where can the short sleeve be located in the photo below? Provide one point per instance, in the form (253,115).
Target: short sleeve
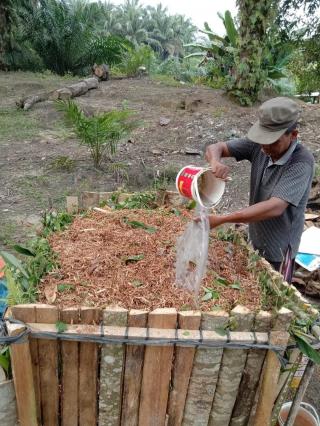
(293,183)
(241,149)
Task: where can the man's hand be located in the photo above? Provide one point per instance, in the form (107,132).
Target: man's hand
(220,170)
(214,220)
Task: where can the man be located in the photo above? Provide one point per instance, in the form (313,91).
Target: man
(281,177)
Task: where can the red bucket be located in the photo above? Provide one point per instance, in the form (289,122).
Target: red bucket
(199,184)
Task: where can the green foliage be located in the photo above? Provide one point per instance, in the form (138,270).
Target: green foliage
(61,327)
(64,287)
(100,133)
(55,221)
(132,59)
(210,294)
(186,70)
(109,49)
(139,200)
(5,361)
(62,163)
(137,224)
(133,259)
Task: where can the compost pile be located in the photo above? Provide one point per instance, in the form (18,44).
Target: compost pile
(127,258)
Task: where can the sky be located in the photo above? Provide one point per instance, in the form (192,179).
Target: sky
(199,11)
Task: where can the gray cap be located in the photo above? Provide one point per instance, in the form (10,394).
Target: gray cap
(276,116)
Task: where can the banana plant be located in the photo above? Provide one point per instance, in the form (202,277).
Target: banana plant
(218,49)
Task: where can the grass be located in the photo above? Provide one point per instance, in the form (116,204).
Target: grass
(17,125)
(317,170)
(168,80)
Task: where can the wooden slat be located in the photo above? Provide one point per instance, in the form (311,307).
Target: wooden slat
(133,372)
(270,380)
(112,363)
(23,379)
(88,372)
(251,374)
(183,361)
(204,374)
(48,368)
(27,314)
(156,372)
(231,369)
(70,372)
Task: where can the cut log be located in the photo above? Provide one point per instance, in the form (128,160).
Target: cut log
(133,372)
(188,320)
(23,379)
(111,366)
(78,89)
(27,314)
(205,373)
(27,102)
(157,372)
(70,372)
(92,83)
(48,367)
(232,365)
(88,371)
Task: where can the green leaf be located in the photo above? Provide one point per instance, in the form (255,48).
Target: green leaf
(136,224)
(221,281)
(13,261)
(221,331)
(23,250)
(131,259)
(65,287)
(207,296)
(4,362)
(231,30)
(191,205)
(137,283)
(61,327)
(307,349)
(236,285)
(186,333)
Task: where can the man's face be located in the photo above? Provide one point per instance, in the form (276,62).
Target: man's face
(278,148)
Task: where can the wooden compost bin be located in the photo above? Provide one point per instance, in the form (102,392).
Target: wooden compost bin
(147,375)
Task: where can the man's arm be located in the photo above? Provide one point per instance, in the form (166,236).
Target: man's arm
(261,211)
(214,153)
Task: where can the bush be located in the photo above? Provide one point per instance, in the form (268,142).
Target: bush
(181,70)
(135,58)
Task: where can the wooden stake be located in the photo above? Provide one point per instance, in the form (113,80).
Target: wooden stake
(70,372)
(48,367)
(112,362)
(204,374)
(232,365)
(23,379)
(27,314)
(157,372)
(183,362)
(88,371)
(133,372)
(251,375)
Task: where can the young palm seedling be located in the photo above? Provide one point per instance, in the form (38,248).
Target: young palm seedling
(100,133)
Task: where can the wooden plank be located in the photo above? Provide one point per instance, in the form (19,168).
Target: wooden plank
(70,372)
(89,199)
(251,375)
(270,380)
(48,367)
(204,374)
(72,204)
(157,372)
(133,372)
(27,314)
(23,379)
(88,372)
(112,362)
(183,362)
(231,369)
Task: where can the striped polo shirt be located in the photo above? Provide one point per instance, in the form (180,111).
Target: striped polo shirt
(290,179)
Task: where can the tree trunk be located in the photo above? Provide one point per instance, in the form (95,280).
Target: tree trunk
(255,17)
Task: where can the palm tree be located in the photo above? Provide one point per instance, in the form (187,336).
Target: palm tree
(6,19)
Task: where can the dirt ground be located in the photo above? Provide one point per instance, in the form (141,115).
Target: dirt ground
(41,162)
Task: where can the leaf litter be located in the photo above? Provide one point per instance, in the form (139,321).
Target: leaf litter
(107,261)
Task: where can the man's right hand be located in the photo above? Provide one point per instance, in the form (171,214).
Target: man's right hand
(220,170)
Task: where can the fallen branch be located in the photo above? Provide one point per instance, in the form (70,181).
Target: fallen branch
(64,93)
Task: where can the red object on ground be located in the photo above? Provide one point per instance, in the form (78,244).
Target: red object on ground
(1,266)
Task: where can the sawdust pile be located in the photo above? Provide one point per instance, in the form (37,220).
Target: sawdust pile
(127,258)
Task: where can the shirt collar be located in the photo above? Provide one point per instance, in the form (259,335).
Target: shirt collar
(282,160)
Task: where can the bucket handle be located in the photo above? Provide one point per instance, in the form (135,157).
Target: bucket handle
(312,409)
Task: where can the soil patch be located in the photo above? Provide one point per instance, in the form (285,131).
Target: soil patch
(107,260)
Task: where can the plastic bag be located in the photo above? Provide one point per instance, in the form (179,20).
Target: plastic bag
(192,253)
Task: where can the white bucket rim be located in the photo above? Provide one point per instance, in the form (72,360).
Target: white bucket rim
(305,406)
(197,188)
